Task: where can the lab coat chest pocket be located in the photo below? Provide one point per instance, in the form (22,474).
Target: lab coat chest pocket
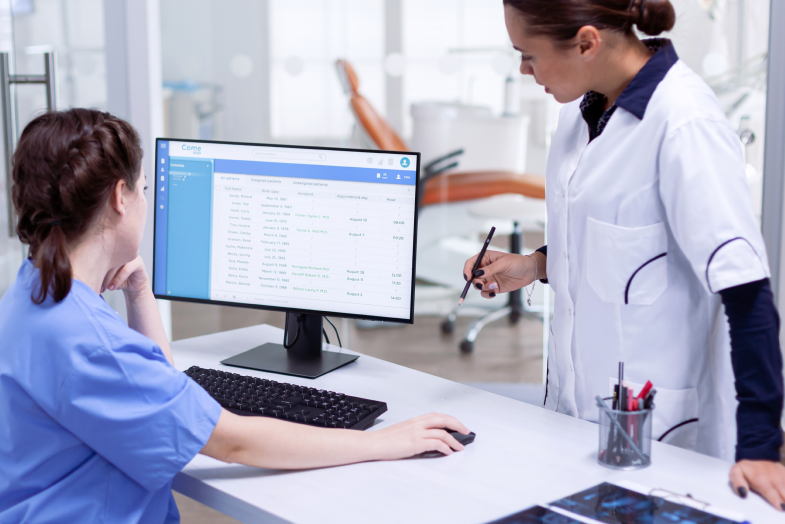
(627,265)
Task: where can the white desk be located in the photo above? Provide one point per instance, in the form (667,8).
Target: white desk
(523,455)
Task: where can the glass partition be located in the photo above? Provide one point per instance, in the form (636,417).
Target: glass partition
(74,31)
(263,71)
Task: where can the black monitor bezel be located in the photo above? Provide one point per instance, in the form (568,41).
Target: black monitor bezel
(410,320)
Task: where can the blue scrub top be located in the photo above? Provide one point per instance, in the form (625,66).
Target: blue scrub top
(94,422)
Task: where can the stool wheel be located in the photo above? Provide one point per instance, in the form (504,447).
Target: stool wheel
(448,326)
(467,347)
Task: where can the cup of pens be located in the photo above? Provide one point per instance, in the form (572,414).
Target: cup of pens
(625,437)
(625,427)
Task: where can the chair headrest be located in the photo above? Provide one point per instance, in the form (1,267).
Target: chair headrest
(348,77)
(382,134)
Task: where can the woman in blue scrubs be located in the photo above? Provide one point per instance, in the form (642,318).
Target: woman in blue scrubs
(96,419)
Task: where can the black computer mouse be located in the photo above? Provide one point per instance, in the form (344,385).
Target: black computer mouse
(460,437)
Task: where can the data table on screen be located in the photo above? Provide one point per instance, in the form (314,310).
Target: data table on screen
(294,242)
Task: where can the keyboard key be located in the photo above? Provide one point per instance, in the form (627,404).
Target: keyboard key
(291,401)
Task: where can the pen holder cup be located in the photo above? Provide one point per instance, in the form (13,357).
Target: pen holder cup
(625,438)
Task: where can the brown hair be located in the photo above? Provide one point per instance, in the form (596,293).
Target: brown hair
(561,19)
(65,168)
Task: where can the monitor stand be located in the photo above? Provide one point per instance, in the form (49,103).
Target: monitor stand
(304,358)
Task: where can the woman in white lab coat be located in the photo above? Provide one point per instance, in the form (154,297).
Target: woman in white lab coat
(650,232)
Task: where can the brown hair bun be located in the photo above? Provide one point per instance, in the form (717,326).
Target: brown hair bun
(655,16)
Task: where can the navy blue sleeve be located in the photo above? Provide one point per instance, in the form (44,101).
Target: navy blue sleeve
(757,365)
(544,251)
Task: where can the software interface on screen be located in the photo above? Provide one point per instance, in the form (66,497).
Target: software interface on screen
(309,229)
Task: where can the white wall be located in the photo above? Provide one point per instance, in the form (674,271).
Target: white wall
(200,38)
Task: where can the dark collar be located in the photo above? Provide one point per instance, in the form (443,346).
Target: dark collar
(636,96)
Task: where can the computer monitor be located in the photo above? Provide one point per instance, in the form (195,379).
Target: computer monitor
(305,230)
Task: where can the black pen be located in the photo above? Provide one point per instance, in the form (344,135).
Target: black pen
(476,265)
(647,404)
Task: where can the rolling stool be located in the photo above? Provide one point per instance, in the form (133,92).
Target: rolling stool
(526,214)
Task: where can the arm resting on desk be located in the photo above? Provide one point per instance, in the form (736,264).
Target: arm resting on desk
(269,443)
(757,365)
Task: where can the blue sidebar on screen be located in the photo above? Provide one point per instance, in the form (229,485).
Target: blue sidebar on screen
(189,231)
(159,182)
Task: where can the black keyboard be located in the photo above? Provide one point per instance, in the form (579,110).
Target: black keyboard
(252,396)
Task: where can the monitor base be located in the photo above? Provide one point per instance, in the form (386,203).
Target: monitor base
(274,358)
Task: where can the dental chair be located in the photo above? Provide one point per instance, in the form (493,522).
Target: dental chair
(439,184)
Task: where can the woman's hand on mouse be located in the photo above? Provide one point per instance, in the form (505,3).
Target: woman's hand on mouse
(132,278)
(503,272)
(764,477)
(417,435)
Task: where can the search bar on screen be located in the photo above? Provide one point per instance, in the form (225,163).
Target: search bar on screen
(268,154)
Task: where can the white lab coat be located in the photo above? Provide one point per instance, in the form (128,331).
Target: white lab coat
(672,183)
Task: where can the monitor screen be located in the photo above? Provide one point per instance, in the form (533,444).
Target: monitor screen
(322,231)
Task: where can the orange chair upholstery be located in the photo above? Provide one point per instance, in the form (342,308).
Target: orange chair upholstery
(463,186)
(382,134)
(441,188)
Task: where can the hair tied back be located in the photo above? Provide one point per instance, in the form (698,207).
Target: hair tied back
(65,168)
(562,19)
(641,10)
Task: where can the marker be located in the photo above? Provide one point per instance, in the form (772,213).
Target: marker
(477,265)
(650,399)
(623,399)
(615,396)
(645,391)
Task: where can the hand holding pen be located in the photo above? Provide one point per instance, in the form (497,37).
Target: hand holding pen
(503,272)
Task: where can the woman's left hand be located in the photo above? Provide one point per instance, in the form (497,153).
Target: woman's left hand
(764,477)
(132,278)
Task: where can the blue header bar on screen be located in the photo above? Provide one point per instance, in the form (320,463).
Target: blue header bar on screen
(318,172)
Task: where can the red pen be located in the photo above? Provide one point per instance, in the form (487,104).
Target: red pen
(645,390)
(629,399)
